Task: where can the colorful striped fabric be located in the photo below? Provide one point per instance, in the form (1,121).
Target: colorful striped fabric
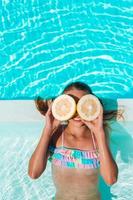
(74,158)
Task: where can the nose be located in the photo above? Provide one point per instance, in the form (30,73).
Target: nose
(76,101)
(76,115)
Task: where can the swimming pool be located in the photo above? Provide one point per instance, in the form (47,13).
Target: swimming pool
(47,44)
(19,139)
(44,46)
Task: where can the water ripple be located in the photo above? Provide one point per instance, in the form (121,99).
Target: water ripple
(46,45)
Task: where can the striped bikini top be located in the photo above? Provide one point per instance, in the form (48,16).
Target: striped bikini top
(74,158)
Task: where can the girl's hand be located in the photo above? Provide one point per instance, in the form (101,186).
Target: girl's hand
(51,123)
(96,125)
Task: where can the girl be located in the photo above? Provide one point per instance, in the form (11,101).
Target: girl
(79,151)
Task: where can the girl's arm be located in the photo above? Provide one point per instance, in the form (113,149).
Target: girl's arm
(108,167)
(38,160)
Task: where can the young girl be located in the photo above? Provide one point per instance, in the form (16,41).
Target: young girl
(79,151)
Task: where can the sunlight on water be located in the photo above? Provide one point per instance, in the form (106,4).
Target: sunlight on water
(17,145)
(45,45)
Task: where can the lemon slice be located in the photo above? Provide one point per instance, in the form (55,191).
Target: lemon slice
(88,107)
(63,107)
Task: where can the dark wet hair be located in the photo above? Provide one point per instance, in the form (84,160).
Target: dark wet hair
(79,86)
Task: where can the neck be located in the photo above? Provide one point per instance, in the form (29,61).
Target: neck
(77,132)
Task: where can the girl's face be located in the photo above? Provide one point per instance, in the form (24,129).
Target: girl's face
(76,94)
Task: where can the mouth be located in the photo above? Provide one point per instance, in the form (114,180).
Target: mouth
(77,119)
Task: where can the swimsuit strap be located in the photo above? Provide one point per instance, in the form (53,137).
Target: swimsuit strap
(93,140)
(62,139)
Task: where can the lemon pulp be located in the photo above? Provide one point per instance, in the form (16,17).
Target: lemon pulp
(88,107)
(63,107)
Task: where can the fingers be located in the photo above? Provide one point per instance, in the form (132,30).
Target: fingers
(49,111)
(50,107)
(84,121)
(88,124)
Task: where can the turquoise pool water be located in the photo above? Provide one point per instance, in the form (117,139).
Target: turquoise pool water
(46,44)
(17,143)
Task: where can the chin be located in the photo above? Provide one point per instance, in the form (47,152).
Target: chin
(76,122)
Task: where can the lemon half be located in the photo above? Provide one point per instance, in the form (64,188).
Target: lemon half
(63,107)
(88,107)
